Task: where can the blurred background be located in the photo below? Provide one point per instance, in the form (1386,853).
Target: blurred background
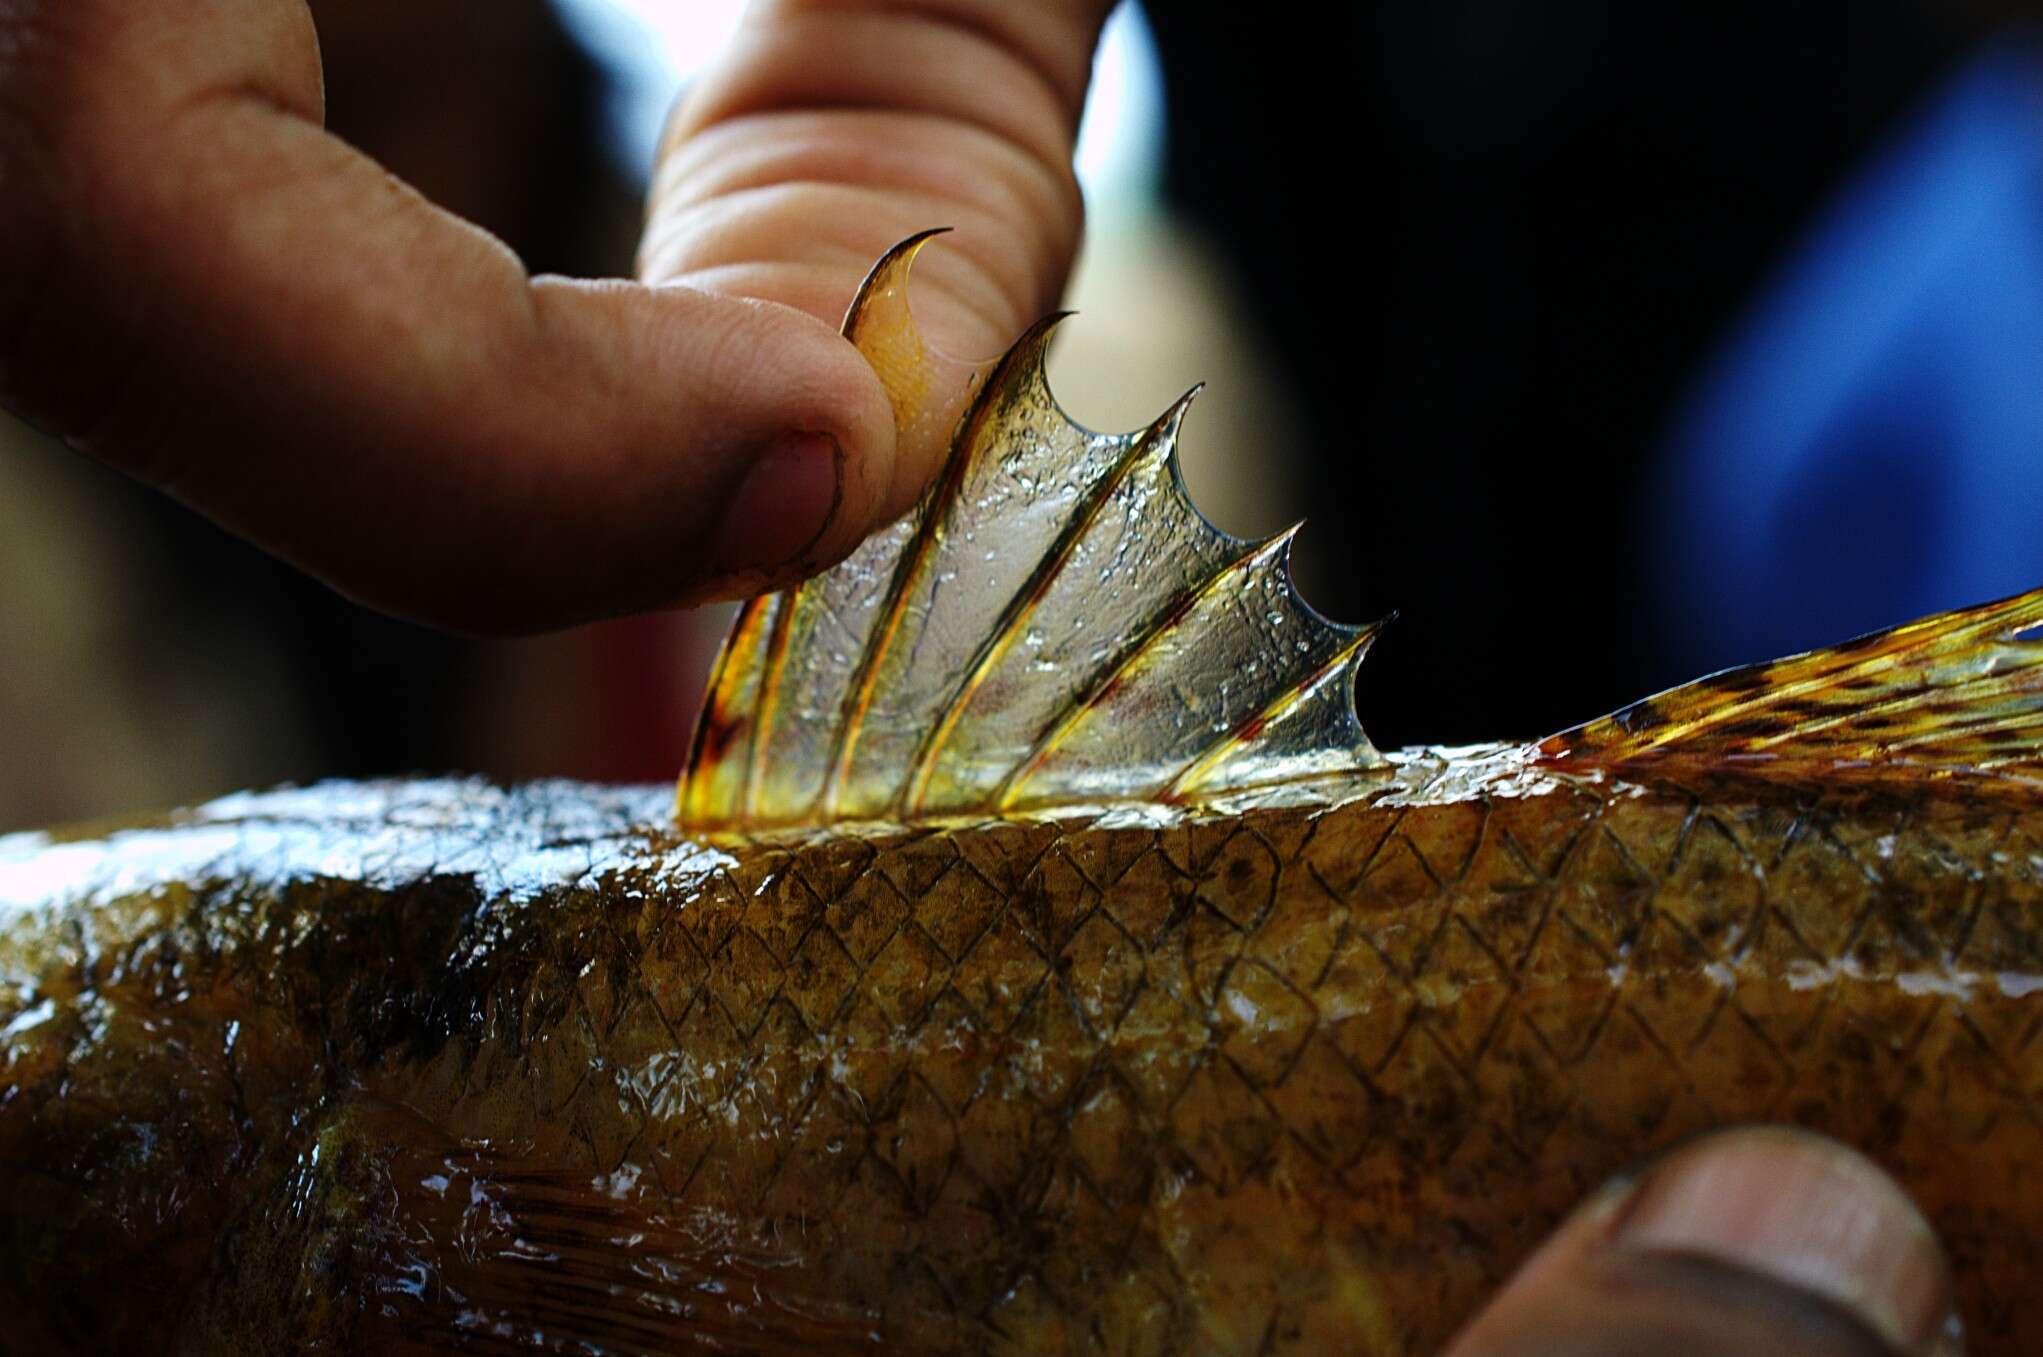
(1609,343)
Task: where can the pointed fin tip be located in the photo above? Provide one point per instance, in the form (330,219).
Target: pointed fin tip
(1285,542)
(1027,359)
(1368,633)
(1033,345)
(1342,667)
(1355,650)
(892,266)
(1159,435)
(1174,413)
(1277,547)
(1159,438)
(1168,424)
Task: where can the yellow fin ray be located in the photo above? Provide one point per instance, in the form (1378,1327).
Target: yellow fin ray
(1955,696)
(1054,624)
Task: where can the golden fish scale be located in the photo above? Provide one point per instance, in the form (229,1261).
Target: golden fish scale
(1290,1080)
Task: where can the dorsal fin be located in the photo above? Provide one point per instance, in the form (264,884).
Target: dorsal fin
(1053,624)
(1954,696)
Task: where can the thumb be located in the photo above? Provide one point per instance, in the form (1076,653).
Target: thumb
(1761,1240)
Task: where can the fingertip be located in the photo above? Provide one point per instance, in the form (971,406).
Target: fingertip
(1806,1212)
(750,444)
(617,449)
(1755,1239)
(777,526)
(835,393)
(806,497)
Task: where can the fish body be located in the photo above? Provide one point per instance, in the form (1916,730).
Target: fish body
(1042,961)
(423,1067)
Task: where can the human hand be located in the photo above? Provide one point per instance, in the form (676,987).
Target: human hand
(1761,1240)
(202,288)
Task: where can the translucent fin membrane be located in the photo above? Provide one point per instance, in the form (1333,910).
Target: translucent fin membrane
(1054,624)
(1957,695)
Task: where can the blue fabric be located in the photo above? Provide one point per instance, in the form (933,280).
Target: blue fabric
(1869,448)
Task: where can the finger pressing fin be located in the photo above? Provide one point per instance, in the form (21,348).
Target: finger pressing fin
(1052,624)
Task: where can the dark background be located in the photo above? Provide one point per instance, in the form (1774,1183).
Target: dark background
(1493,242)
(1490,243)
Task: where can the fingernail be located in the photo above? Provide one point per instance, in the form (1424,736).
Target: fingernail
(784,505)
(1806,1213)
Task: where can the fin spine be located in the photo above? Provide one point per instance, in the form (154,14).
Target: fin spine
(1025,603)
(772,671)
(1348,658)
(878,691)
(915,559)
(1082,710)
(734,648)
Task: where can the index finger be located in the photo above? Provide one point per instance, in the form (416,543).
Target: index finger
(206,290)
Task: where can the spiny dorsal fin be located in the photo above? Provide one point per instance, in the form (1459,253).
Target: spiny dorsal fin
(1054,624)
(1954,696)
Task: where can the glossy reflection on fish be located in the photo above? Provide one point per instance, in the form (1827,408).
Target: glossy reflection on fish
(914,1037)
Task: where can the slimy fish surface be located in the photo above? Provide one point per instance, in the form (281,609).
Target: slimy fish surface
(1042,961)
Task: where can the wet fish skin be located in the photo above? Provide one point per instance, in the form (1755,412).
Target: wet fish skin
(1297,1048)
(422,1067)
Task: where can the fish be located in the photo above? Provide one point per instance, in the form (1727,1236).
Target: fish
(1036,957)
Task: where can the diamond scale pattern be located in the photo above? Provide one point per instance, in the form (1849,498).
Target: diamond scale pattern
(820,977)
(1150,895)
(1238,1084)
(1221,1127)
(865,916)
(1101,968)
(1263,1024)
(958,908)
(1239,880)
(1052,1049)
(1001,973)
(743,978)
(1110,1140)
